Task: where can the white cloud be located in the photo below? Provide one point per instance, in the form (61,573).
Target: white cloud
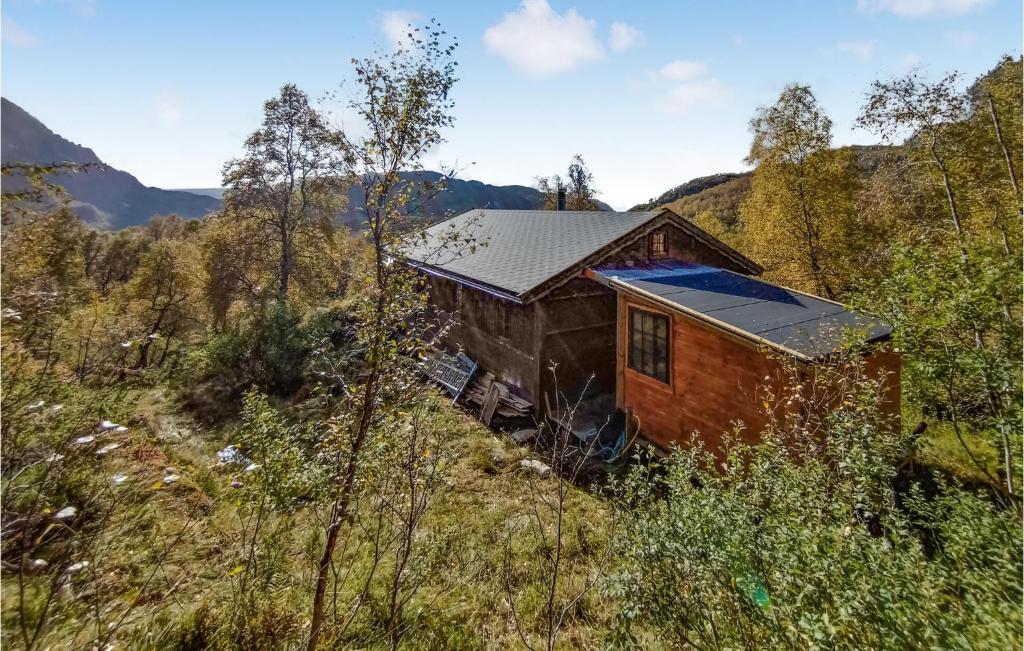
(860,49)
(916,8)
(396,27)
(739,40)
(681,70)
(11,33)
(682,97)
(625,36)
(168,110)
(542,43)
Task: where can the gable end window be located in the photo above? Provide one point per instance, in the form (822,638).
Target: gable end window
(649,344)
(659,244)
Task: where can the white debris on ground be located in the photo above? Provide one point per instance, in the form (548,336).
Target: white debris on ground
(232,455)
(251,467)
(85,440)
(539,468)
(65,513)
(107,425)
(109,447)
(56,408)
(170,479)
(36,405)
(119,479)
(53,458)
(75,568)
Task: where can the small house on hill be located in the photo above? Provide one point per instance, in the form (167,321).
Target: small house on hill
(669,321)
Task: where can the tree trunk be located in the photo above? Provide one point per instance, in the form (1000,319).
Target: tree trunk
(1002,144)
(286,264)
(951,199)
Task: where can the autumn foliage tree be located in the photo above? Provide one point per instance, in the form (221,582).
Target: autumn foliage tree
(578,186)
(802,193)
(290,182)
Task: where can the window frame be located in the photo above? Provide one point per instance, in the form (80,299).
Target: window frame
(662,236)
(651,370)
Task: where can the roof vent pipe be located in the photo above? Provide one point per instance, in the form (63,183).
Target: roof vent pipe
(561,199)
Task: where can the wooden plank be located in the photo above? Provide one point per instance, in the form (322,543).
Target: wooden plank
(490,403)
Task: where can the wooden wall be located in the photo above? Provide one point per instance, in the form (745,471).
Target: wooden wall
(681,246)
(576,330)
(496,333)
(716,379)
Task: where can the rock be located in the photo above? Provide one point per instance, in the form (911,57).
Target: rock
(539,468)
(170,479)
(524,436)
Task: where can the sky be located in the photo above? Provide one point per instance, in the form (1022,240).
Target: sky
(651,94)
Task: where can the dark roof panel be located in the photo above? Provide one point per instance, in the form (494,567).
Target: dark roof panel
(798,322)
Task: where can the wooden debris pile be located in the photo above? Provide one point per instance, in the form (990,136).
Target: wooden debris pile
(495,397)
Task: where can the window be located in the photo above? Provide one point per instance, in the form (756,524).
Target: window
(648,344)
(659,244)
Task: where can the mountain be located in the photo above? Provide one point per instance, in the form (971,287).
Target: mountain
(691,187)
(102,195)
(722,194)
(109,198)
(458,197)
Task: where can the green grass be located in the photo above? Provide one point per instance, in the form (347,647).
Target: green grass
(168,558)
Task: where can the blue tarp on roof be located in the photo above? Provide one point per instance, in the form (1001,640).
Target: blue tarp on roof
(798,322)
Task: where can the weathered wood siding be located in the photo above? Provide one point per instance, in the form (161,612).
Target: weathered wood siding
(497,334)
(576,331)
(681,246)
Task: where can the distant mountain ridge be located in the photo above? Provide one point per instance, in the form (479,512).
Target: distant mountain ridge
(723,194)
(110,198)
(459,196)
(103,196)
(691,187)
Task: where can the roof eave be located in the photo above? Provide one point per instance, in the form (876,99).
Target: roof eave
(467,282)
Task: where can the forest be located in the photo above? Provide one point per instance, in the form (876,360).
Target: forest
(216,434)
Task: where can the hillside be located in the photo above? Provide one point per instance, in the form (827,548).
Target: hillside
(722,194)
(691,187)
(459,196)
(103,196)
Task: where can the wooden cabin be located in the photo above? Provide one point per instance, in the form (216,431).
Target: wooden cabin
(669,321)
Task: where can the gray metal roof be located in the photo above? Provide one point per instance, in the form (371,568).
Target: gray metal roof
(516,251)
(796,322)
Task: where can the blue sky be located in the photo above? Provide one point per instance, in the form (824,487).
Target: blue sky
(650,93)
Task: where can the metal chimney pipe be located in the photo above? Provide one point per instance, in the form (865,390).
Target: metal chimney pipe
(561,199)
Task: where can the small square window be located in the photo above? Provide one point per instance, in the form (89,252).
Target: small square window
(659,244)
(649,344)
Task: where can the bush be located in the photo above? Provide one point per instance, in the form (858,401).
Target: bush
(802,542)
